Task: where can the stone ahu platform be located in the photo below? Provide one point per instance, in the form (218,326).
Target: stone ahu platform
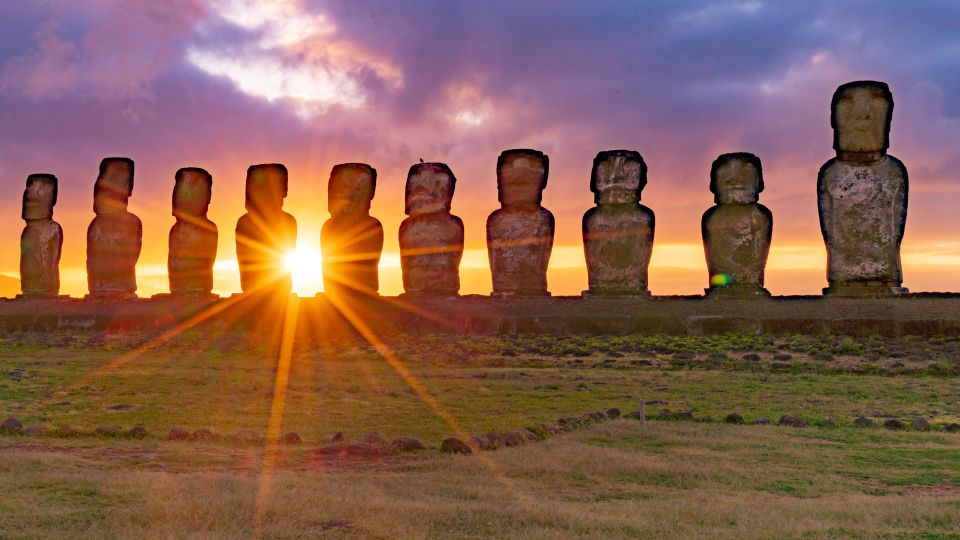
(926,314)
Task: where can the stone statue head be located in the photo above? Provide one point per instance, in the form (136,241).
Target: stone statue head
(351,188)
(39,197)
(860,115)
(618,176)
(191,192)
(114,185)
(266,188)
(429,188)
(736,178)
(522,177)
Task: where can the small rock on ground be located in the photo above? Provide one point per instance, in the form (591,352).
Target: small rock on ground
(137,432)
(511,438)
(494,440)
(178,434)
(407,444)
(952,427)
(454,445)
(613,413)
(478,443)
(734,418)
(528,435)
(106,431)
(894,423)
(247,436)
(202,434)
(920,424)
(32,431)
(11,425)
(862,422)
(374,437)
(291,438)
(792,421)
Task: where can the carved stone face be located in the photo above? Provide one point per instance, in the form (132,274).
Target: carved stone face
(861,118)
(266,188)
(737,181)
(521,179)
(429,189)
(113,187)
(191,193)
(618,179)
(39,197)
(351,188)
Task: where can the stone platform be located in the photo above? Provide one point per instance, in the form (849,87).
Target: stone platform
(929,314)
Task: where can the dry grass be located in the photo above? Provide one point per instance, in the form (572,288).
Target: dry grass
(613,480)
(617,479)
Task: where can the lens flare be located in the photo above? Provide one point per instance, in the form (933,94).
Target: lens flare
(720,280)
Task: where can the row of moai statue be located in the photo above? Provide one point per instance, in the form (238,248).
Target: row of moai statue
(862,199)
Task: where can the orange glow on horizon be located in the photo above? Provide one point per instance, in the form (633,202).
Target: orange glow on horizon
(675,268)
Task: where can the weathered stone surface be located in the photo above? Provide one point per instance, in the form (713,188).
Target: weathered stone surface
(734,418)
(265,234)
(351,240)
(920,424)
(862,422)
(431,239)
(115,235)
(41,239)
(520,233)
(737,231)
(613,413)
(193,238)
(862,195)
(618,232)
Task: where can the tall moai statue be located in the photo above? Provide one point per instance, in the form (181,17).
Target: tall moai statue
(862,195)
(193,238)
(520,233)
(115,235)
(266,234)
(351,240)
(41,239)
(618,232)
(431,239)
(737,231)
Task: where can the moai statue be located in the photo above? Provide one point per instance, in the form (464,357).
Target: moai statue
(862,195)
(114,236)
(41,239)
(431,239)
(351,240)
(266,234)
(193,238)
(618,232)
(737,231)
(520,233)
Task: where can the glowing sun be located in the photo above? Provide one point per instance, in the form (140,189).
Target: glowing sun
(306,266)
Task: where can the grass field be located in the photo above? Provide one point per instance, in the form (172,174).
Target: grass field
(623,478)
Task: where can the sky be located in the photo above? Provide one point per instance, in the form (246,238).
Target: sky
(223,84)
